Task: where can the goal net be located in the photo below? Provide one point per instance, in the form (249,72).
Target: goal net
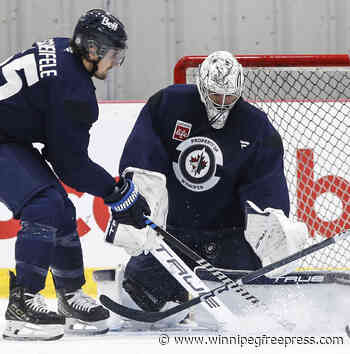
(307,99)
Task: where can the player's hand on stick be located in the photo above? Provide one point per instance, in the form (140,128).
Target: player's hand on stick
(128,206)
(151,185)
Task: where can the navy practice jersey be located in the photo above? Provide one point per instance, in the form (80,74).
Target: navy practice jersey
(210,173)
(47,96)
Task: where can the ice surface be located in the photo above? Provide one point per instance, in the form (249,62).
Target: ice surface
(317,310)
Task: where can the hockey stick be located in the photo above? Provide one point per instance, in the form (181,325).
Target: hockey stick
(189,280)
(183,274)
(156,316)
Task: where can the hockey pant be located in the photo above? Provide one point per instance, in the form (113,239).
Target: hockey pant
(225,248)
(48,236)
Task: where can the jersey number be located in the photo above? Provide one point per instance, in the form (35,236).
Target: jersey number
(14,82)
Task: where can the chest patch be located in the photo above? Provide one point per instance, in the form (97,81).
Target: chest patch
(182,130)
(197,163)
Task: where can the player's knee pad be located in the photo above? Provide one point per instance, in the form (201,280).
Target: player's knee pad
(67,266)
(131,294)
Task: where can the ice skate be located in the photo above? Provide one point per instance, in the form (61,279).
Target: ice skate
(28,317)
(84,316)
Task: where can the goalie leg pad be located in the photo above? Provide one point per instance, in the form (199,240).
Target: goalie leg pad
(162,285)
(142,297)
(113,283)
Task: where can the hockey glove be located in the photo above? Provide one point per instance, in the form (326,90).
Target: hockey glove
(128,206)
(273,236)
(152,185)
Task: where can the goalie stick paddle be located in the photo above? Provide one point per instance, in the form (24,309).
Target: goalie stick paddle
(190,281)
(227,286)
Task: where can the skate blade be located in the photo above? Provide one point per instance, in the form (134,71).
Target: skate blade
(81,328)
(24,331)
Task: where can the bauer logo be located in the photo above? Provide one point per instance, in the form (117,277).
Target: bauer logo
(182,130)
(111,25)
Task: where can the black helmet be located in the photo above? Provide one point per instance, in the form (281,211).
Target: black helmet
(100,29)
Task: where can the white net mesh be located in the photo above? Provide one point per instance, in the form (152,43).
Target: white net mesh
(310,107)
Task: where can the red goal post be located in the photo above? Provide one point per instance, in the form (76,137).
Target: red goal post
(307,99)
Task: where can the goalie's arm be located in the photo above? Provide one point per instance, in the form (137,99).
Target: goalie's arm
(269,231)
(264,182)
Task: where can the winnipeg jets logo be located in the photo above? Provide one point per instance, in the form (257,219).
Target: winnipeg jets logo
(197,163)
(244,144)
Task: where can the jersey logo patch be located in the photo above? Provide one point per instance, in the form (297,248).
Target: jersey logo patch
(197,163)
(244,144)
(182,130)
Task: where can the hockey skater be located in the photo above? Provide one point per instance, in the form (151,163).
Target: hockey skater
(202,157)
(47,96)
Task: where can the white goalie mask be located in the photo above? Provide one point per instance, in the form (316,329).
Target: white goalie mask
(220,84)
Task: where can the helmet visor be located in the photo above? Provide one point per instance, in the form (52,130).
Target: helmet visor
(114,56)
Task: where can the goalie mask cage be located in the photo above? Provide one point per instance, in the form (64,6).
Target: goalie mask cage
(307,99)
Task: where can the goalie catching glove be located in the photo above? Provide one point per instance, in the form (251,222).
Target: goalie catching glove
(152,185)
(273,236)
(128,206)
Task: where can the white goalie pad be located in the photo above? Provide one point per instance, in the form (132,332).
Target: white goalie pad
(152,185)
(273,236)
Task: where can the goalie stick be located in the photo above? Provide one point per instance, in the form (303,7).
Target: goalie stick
(227,286)
(190,281)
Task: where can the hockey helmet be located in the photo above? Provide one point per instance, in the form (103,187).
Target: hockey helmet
(101,31)
(220,84)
